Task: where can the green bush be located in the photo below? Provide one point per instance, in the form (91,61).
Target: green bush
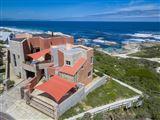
(10,83)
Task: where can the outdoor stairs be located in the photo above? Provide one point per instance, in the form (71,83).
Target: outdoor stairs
(42,107)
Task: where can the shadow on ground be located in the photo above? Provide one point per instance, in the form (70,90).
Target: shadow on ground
(5,116)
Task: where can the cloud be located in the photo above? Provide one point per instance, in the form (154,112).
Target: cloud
(149,12)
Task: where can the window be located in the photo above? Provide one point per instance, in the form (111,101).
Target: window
(68,62)
(14,59)
(91,59)
(82,67)
(89,73)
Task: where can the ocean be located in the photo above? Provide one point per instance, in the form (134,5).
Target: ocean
(94,33)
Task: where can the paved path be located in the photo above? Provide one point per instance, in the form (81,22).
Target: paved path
(158,70)
(4,116)
(11,104)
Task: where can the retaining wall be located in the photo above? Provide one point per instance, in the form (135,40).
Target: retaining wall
(95,84)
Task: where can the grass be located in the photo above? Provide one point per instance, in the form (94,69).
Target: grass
(109,92)
(140,74)
(148,52)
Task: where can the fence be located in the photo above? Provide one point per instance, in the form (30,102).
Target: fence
(122,103)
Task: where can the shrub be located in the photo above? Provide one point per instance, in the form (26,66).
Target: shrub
(10,83)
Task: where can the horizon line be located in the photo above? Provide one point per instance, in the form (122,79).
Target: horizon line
(68,21)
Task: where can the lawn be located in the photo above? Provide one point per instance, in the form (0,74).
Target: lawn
(109,92)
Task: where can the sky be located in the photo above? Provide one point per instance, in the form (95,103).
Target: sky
(81,10)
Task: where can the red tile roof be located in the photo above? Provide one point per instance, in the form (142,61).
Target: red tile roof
(72,70)
(39,54)
(57,87)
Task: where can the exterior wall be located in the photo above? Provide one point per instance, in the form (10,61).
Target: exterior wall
(45,43)
(82,75)
(65,76)
(72,58)
(16,48)
(34,42)
(51,71)
(71,101)
(26,48)
(60,58)
(24,35)
(95,84)
(54,52)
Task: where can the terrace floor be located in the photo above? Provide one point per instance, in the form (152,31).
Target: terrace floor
(13,105)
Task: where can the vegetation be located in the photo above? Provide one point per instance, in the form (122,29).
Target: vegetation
(109,92)
(148,52)
(1,52)
(2,67)
(10,83)
(138,73)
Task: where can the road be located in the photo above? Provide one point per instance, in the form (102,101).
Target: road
(127,56)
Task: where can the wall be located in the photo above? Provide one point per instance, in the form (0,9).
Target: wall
(60,58)
(88,66)
(71,101)
(79,95)
(16,47)
(95,84)
(66,76)
(45,43)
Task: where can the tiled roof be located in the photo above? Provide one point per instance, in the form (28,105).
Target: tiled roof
(39,54)
(57,87)
(72,70)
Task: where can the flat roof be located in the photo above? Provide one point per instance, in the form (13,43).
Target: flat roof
(74,51)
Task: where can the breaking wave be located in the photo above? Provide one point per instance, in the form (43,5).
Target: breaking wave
(145,35)
(19,30)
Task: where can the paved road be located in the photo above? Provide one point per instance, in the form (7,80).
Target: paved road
(4,116)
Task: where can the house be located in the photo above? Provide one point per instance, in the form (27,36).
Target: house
(55,69)
(24,44)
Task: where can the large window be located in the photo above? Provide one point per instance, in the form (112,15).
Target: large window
(68,62)
(14,59)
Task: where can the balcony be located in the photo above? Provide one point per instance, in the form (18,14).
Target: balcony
(29,66)
(44,64)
